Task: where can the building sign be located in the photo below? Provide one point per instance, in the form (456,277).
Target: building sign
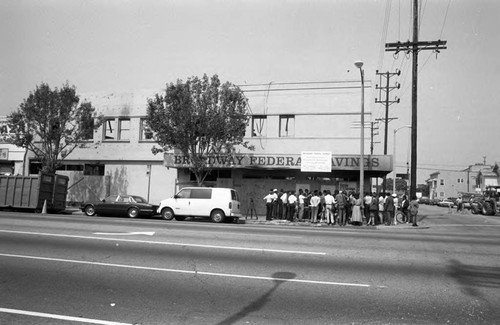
(4,154)
(270,161)
(316,161)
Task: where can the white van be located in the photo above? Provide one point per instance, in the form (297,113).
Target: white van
(217,203)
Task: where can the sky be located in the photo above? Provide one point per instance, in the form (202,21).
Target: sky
(111,45)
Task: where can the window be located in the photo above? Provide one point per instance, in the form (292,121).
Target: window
(201,193)
(259,125)
(441,181)
(146,132)
(287,125)
(185,193)
(89,133)
(117,129)
(35,166)
(460,180)
(110,129)
(124,129)
(94,169)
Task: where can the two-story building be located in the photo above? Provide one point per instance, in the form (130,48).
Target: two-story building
(474,179)
(293,127)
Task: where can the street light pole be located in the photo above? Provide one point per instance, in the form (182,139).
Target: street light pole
(359,65)
(394,157)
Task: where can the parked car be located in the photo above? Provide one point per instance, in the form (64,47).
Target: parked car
(424,200)
(448,203)
(434,201)
(218,204)
(120,205)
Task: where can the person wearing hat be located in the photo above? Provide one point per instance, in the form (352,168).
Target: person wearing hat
(396,206)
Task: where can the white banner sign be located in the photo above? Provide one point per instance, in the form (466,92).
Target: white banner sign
(316,161)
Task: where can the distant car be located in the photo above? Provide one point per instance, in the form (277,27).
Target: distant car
(448,203)
(424,200)
(434,201)
(120,205)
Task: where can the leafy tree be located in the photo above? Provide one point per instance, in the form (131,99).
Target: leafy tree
(52,123)
(199,117)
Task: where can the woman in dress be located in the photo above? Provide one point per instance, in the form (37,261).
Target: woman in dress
(357,217)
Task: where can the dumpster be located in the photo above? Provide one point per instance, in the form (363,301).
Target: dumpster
(28,193)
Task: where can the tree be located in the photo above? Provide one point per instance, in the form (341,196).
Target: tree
(52,123)
(200,117)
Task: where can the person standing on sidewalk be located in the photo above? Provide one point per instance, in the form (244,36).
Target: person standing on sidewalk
(274,214)
(341,199)
(292,206)
(269,204)
(389,210)
(367,202)
(314,203)
(301,205)
(404,208)
(373,210)
(284,201)
(413,208)
(329,201)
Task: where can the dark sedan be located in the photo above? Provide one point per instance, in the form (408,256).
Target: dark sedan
(120,205)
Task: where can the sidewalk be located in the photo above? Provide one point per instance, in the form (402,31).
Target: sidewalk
(261,220)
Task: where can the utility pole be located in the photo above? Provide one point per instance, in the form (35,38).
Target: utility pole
(414,47)
(388,75)
(374,132)
(387,88)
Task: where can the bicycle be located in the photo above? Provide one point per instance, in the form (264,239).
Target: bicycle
(400,217)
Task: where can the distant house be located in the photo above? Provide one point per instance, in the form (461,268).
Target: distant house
(488,177)
(11,156)
(474,179)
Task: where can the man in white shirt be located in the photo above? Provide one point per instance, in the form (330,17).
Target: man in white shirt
(269,204)
(284,201)
(314,203)
(329,202)
(292,202)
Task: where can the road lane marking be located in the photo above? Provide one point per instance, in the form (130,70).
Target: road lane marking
(165,243)
(62,317)
(227,275)
(150,233)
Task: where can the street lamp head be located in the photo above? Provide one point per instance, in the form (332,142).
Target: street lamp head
(358,64)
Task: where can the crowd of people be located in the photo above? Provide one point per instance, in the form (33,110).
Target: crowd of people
(338,208)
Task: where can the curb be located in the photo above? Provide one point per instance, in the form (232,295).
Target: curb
(324,225)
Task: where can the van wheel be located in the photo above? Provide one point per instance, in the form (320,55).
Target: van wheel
(89,210)
(217,216)
(167,214)
(133,212)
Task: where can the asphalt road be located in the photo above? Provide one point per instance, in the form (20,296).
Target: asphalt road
(70,269)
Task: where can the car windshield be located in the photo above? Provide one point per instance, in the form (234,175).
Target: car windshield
(137,199)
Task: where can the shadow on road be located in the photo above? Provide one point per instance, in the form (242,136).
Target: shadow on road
(278,278)
(472,277)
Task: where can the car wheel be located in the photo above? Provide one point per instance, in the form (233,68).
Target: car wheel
(89,210)
(133,213)
(167,214)
(217,216)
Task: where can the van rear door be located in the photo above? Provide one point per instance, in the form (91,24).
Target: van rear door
(235,204)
